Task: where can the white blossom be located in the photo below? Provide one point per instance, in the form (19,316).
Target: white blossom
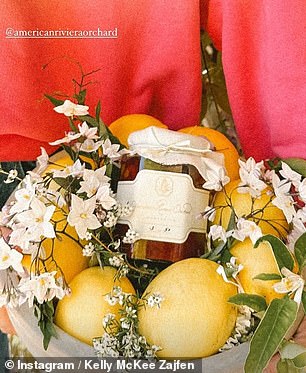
(112,151)
(104,198)
(42,161)
(286,204)
(290,175)
(70,109)
(69,136)
(75,170)
(86,131)
(215,177)
(37,219)
(155,299)
(92,180)
(250,174)
(217,232)
(81,215)
(290,283)
(247,228)
(89,146)
(43,287)
(10,257)
(130,237)
(12,175)
(302,190)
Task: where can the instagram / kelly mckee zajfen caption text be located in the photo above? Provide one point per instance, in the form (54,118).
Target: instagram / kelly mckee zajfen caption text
(96,365)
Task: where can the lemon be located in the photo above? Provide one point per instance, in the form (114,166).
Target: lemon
(269,218)
(81,314)
(194,319)
(255,262)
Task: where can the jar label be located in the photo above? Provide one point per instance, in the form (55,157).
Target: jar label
(166,205)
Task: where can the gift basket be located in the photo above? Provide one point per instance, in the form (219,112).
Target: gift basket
(168,247)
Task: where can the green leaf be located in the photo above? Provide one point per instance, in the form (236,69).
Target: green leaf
(267,277)
(81,97)
(54,100)
(300,251)
(290,350)
(44,313)
(280,250)
(256,302)
(278,318)
(98,111)
(297,164)
(300,360)
(304,300)
(287,366)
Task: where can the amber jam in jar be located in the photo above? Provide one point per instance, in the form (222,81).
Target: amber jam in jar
(168,201)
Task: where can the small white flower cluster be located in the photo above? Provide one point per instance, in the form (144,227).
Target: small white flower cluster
(242,330)
(121,337)
(88,249)
(154,300)
(118,261)
(130,237)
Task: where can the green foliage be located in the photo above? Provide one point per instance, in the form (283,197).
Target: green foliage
(267,277)
(256,302)
(297,164)
(277,320)
(280,250)
(44,313)
(300,251)
(54,100)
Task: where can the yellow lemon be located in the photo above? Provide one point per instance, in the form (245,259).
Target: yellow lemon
(194,319)
(222,145)
(81,313)
(125,125)
(269,218)
(255,262)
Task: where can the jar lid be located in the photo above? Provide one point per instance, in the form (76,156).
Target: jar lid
(173,148)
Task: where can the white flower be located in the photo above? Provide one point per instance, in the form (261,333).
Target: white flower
(290,175)
(286,204)
(111,300)
(42,161)
(81,215)
(215,176)
(234,267)
(246,228)
(130,237)
(291,283)
(302,190)
(23,198)
(250,173)
(76,170)
(111,150)
(10,257)
(11,177)
(89,146)
(44,287)
(217,232)
(69,136)
(92,180)
(37,219)
(281,187)
(88,249)
(104,198)
(69,109)
(86,131)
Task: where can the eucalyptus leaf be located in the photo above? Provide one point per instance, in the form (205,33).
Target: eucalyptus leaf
(287,366)
(256,302)
(300,251)
(290,350)
(267,277)
(280,250)
(297,164)
(278,318)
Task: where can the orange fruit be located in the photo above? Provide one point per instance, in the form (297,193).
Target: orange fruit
(255,262)
(222,145)
(269,218)
(124,126)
